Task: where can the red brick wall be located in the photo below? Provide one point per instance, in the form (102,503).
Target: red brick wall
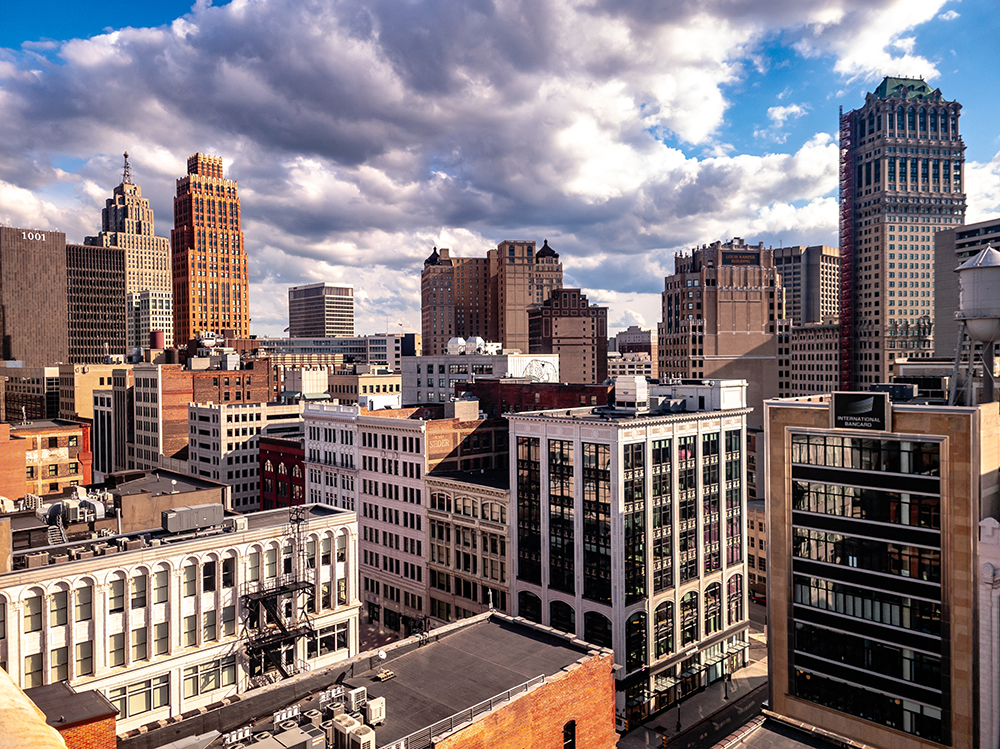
(13,461)
(585,695)
(97,735)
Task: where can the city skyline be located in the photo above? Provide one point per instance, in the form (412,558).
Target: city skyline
(618,162)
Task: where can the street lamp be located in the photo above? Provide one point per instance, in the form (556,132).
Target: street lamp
(678,716)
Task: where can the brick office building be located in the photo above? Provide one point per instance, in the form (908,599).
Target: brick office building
(568,325)
(282,472)
(57,456)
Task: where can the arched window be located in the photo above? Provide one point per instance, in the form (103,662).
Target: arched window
(911,119)
(569,735)
(871,123)
(689,619)
(562,617)
(663,632)
(597,629)
(713,608)
(734,599)
(900,122)
(296,472)
(934,121)
(529,606)
(282,469)
(269,466)
(635,641)
(923,118)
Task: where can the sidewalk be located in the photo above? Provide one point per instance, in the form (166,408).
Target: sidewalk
(371,637)
(696,708)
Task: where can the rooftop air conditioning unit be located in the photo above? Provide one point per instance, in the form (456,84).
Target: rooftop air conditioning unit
(356,699)
(37,559)
(362,737)
(375,711)
(343,725)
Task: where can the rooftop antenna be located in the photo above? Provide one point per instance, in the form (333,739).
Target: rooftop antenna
(127,172)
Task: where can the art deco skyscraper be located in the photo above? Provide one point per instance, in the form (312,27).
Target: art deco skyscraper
(901,182)
(127,222)
(209,257)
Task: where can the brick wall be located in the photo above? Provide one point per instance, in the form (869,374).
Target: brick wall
(585,695)
(99,734)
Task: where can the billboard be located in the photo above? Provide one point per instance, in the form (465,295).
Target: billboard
(868,411)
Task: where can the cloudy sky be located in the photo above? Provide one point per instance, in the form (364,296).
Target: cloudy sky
(364,132)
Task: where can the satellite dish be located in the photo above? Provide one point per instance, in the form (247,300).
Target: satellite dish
(381,655)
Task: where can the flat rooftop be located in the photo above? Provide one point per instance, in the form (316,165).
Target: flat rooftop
(64,707)
(44,425)
(281,516)
(161,482)
(775,734)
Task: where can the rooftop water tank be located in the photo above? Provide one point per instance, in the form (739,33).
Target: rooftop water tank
(979,295)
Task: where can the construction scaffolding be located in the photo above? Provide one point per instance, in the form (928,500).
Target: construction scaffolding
(276,607)
(847,285)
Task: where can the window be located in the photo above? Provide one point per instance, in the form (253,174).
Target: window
(83,604)
(141,697)
(33,615)
(139,644)
(208,577)
(74,441)
(116,649)
(116,596)
(57,609)
(210,676)
(85,658)
(254,566)
(190,633)
(161,638)
(689,619)
(635,641)
(271,563)
(569,735)
(160,590)
(228,621)
(33,670)
(138,590)
(58,665)
(190,580)
(209,629)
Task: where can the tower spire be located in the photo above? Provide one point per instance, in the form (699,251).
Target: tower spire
(127,172)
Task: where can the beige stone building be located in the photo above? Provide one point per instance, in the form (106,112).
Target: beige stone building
(77,383)
(626,365)
(873,572)
(349,386)
(724,318)
(815,358)
(568,325)
(902,169)
(811,277)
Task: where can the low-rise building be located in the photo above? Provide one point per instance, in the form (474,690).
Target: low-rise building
(379,349)
(432,379)
(170,620)
(631,365)
(467,543)
(77,383)
(31,392)
(372,387)
(58,454)
(282,471)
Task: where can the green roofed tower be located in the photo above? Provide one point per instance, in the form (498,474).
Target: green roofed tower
(901,182)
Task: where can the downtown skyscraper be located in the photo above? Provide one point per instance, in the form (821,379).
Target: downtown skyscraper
(209,257)
(901,182)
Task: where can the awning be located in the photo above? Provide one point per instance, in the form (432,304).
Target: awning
(661,683)
(737,647)
(714,659)
(688,673)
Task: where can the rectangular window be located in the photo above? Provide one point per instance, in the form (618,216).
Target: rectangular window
(33,615)
(139,644)
(190,580)
(160,590)
(209,627)
(116,596)
(116,649)
(84,598)
(58,665)
(138,591)
(271,563)
(85,658)
(161,638)
(228,621)
(208,577)
(228,572)
(33,670)
(57,609)
(255,566)
(190,638)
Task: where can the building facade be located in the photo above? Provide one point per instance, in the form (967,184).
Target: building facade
(77,383)
(902,165)
(33,306)
(485,297)
(952,247)
(815,358)
(432,378)
(375,350)
(724,317)
(636,340)
(223,443)
(630,365)
(811,279)
(630,533)
(148,312)
(95,294)
(282,471)
(321,310)
(873,512)
(168,622)
(58,455)
(127,223)
(567,325)
(31,392)
(209,259)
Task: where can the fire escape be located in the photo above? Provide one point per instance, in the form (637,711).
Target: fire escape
(276,609)
(847,286)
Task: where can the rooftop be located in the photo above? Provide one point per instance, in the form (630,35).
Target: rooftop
(914,88)
(64,707)
(157,482)
(44,425)
(774,734)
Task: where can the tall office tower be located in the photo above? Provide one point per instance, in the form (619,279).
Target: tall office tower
(724,318)
(901,181)
(486,297)
(952,247)
(811,277)
(568,325)
(33,296)
(127,222)
(630,533)
(95,292)
(321,310)
(873,568)
(209,255)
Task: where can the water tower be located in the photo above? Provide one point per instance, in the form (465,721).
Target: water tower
(979,319)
